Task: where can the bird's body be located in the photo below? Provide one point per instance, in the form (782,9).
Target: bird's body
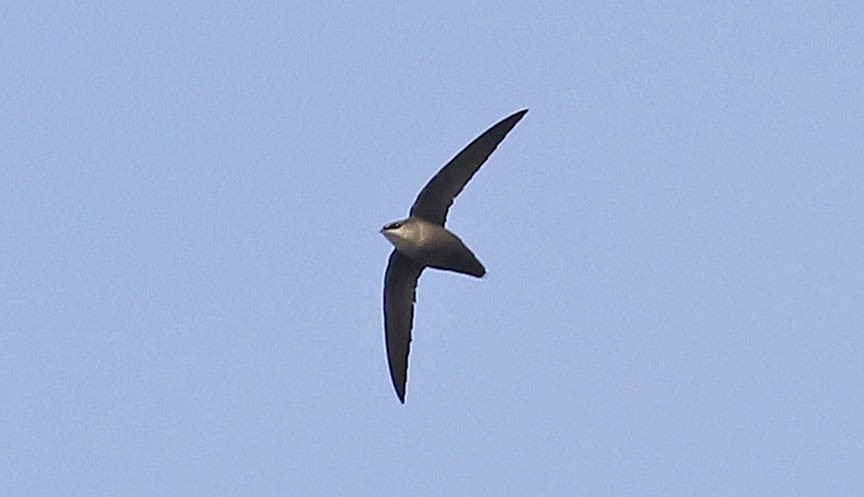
(421,241)
(433,246)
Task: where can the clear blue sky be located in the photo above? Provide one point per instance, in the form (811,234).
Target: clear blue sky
(191,270)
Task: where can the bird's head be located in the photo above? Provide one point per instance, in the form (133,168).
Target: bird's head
(398,232)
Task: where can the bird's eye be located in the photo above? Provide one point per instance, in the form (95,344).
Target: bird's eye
(393,226)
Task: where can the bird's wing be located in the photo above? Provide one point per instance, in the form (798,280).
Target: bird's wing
(400,282)
(437,196)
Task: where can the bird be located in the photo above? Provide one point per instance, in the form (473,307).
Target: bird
(422,241)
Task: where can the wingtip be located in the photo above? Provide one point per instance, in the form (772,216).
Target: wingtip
(516,116)
(400,389)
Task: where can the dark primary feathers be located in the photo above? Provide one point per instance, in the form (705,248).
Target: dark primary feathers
(437,196)
(400,283)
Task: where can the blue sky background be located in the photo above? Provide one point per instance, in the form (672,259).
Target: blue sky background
(191,270)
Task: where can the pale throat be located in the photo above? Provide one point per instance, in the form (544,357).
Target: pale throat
(405,239)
